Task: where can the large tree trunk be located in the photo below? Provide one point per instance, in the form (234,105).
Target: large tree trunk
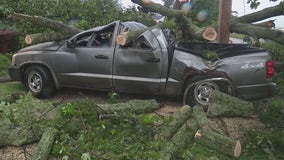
(125,37)
(261,32)
(225,105)
(238,25)
(262,14)
(45,37)
(181,20)
(45,22)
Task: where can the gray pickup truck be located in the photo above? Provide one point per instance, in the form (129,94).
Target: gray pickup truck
(153,63)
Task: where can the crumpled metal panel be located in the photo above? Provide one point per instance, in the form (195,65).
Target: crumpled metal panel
(132,25)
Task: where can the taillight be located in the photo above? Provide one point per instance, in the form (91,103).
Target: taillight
(270,69)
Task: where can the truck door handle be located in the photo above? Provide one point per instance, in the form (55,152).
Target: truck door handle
(101,57)
(154,60)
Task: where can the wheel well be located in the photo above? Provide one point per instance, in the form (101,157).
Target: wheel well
(224,85)
(216,79)
(24,67)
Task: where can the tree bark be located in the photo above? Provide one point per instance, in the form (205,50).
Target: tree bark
(125,37)
(261,32)
(181,20)
(200,116)
(237,25)
(180,139)
(262,14)
(132,106)
(18,136)
(45,37)
(226,105)
(179,118)
(45,22)
(45,144)
(218,142)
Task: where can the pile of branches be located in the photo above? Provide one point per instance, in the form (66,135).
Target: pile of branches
(188,125)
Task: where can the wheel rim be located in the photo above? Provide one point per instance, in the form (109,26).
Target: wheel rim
(202,92)
(35,82)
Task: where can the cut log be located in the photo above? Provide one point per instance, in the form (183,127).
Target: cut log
(45,22)
(210,34)
(125,37)
(45,37)
(225,105)
(267,24)
(45,144)
(200,116)
(181,139)
(218,142)
(18,136)
(132,106)
(179,118)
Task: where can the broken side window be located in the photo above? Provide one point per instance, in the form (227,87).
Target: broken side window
(103,38)
(83,39)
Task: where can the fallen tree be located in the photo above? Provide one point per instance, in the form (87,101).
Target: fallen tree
(188,125)
(237,24)
(242,25)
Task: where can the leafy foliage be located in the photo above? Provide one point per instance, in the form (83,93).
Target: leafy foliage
(113,97)
(278,53)
(84,135)
(273,114)
(269,141)
(26,110)
(10,91)
(82,14)
(5,61)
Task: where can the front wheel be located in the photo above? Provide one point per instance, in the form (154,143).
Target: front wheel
(38,82)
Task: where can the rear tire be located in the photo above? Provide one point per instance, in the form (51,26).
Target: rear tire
(198,91)
(38,81)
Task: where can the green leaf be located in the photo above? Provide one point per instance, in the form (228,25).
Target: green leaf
(86,156)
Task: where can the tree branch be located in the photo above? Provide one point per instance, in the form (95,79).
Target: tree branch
(181,20)
(263,14)
(45,22)
(261,32)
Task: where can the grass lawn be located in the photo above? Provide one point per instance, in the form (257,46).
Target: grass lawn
(8,88)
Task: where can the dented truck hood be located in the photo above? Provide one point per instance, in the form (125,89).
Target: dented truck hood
(47,46)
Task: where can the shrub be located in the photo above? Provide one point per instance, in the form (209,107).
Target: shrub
(5,61)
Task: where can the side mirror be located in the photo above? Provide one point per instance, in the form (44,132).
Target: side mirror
(71,44)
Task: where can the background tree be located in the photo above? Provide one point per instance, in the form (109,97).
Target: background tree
(81,14)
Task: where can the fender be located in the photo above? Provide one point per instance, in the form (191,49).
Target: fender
(40,63)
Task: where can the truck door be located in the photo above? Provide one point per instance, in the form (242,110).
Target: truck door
(93,57)
(138,66)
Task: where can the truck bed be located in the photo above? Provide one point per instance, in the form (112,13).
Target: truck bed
(223,50)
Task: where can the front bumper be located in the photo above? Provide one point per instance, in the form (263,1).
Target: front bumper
(256,91)
(15,73)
